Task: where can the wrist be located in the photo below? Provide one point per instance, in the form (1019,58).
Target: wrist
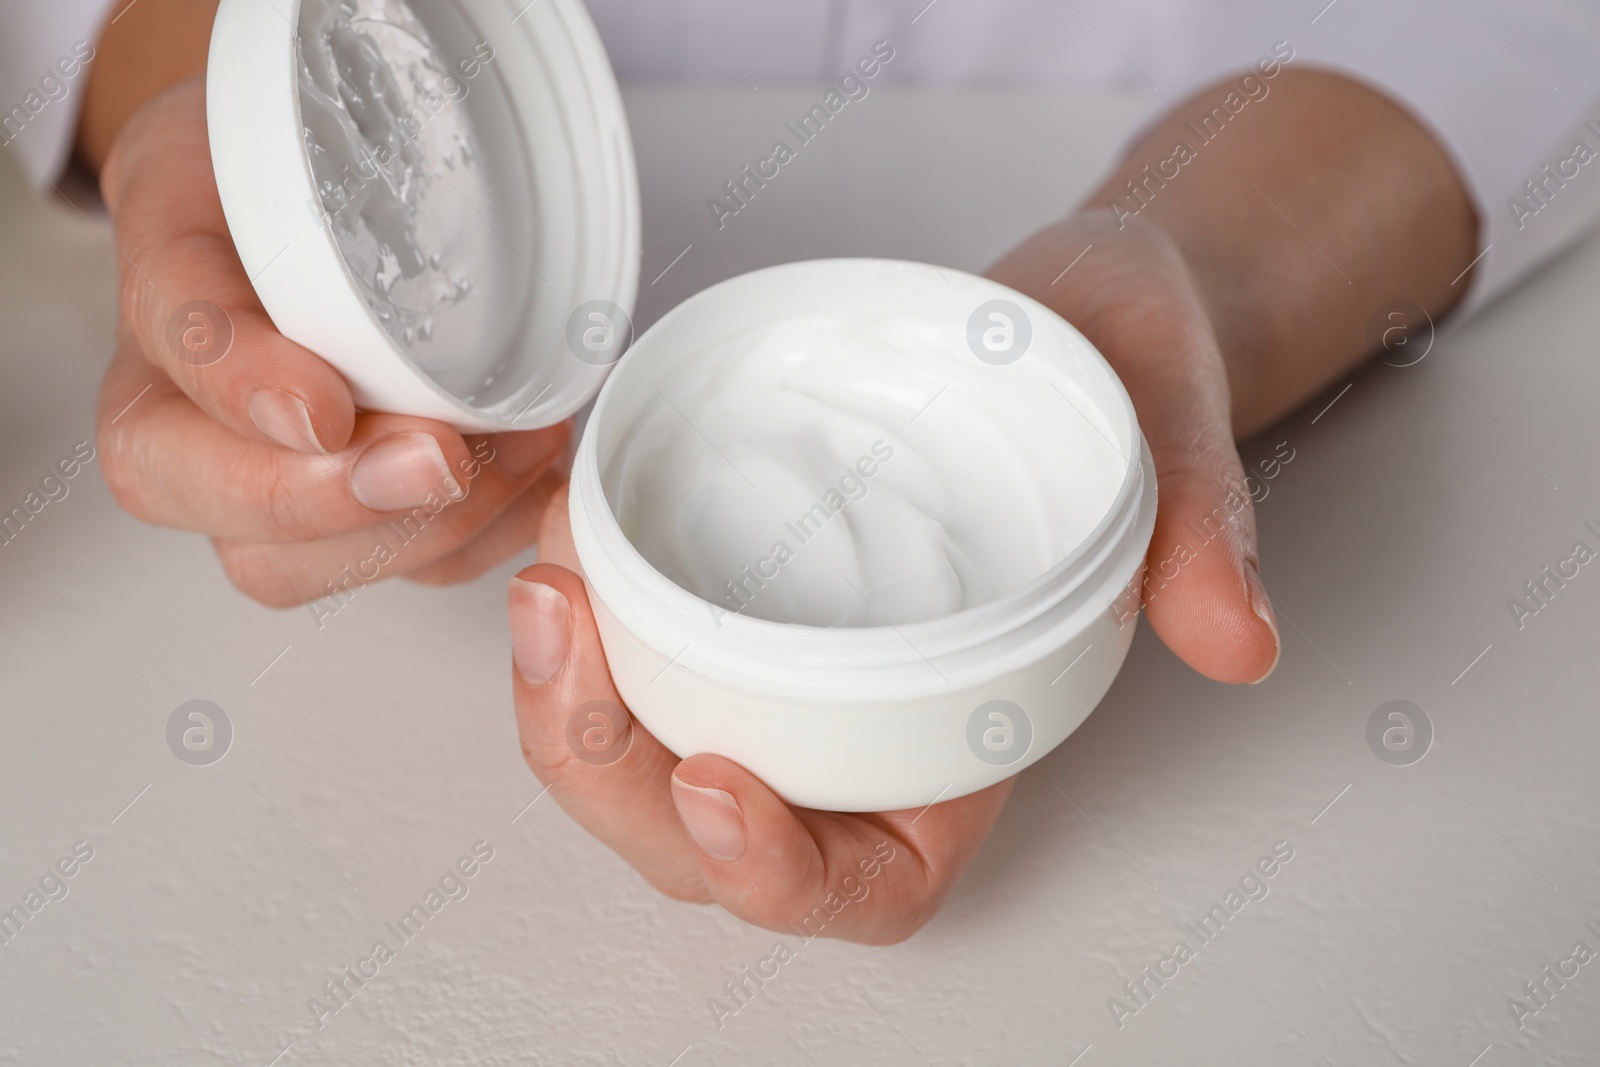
(1318,202)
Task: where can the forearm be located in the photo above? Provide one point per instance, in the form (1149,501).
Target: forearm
(1310,208)
(144,49)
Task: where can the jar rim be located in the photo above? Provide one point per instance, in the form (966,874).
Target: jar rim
(808,647)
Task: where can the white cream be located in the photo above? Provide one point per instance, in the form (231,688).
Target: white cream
(398,168)
(855,472)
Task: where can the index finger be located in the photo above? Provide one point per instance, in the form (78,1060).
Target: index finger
(616,785)
(187,299)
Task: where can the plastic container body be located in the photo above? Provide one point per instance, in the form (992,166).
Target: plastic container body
(535,82)
(881,717)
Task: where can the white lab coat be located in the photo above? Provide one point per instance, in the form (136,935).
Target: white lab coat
(1511,90)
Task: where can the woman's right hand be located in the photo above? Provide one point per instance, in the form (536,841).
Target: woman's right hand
(211,420)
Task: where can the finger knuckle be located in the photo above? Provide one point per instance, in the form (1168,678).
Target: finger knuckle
(283,501)
(254,572)
(810,918)
(689,889)
(123,475)
(1206,465)
(914,899)
(133,298)
(550,759)
(157,282)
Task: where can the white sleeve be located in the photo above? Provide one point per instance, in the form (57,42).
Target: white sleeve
(46,47)
(1510,90)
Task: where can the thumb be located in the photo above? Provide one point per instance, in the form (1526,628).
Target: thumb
(1134,300)
(1202,586)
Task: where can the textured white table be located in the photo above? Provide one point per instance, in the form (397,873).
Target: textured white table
(371,755)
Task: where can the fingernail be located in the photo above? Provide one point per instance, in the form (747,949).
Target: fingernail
(1263,608)
(284,418)
(402,472)
(713,819)
(540,620)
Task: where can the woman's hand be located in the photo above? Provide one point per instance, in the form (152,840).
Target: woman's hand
(211,420)
(706,829)
(1219,315)
(1132,296)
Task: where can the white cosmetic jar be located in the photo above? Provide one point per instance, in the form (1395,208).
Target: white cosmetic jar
(871,717)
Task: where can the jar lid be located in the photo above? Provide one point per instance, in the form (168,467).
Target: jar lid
(440,199)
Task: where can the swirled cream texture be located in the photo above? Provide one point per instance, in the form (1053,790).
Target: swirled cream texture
(402,183)
(854,473)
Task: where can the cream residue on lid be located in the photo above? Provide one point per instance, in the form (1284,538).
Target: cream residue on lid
(850,473)
(398,169)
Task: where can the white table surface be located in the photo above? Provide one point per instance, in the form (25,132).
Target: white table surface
(373,753)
